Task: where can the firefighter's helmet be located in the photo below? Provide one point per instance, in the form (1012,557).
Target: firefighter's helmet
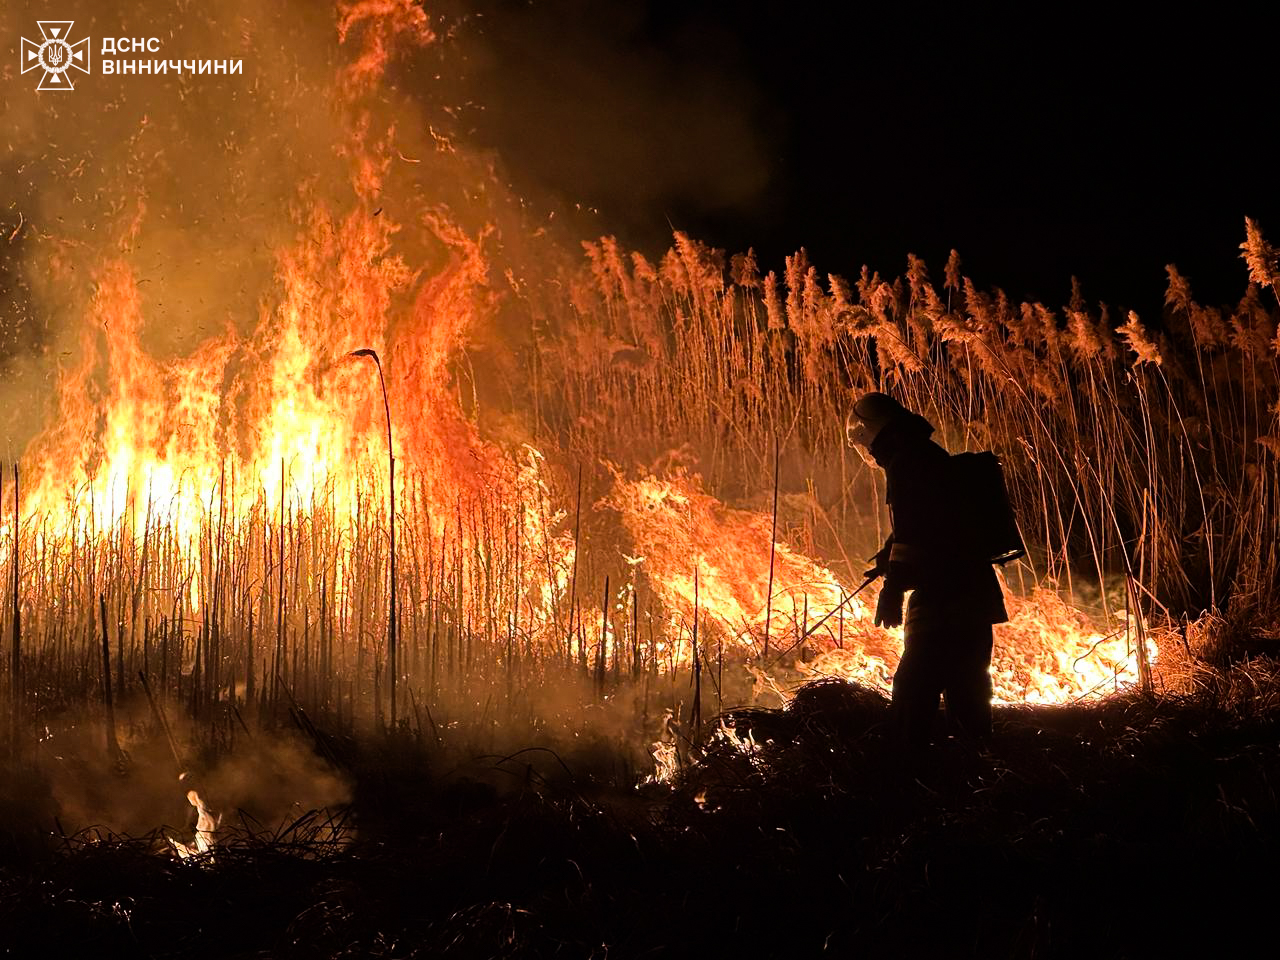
(869,416)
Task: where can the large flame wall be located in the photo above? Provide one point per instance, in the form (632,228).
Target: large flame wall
(222,490)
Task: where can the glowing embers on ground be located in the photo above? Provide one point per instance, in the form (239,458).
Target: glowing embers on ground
(666,754)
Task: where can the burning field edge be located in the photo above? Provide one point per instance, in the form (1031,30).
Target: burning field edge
(471,590)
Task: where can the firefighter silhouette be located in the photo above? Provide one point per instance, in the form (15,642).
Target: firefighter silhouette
(940,549)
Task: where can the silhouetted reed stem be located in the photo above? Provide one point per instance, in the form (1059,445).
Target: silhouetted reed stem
(113,745)
(15,665)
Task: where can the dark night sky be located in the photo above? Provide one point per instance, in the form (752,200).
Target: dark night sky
(1040,145)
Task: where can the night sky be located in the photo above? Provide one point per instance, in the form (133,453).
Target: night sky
(1040,145)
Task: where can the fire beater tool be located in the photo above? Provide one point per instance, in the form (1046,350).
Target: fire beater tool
(812,630)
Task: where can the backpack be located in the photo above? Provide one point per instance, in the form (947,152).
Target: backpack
(985,524)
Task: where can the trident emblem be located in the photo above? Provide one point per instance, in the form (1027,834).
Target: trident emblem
(55,55)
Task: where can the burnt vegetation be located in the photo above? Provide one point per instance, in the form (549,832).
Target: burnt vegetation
(1129,827)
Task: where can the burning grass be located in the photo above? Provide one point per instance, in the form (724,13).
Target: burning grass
(1128,448)
(659,485)
(622,507)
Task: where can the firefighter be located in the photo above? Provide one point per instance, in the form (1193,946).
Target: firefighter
(955,596)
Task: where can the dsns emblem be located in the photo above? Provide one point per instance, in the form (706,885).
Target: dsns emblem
(55,56)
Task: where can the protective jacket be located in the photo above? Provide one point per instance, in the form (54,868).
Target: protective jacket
(924,552)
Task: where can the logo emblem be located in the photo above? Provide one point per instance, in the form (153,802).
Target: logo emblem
(55,55)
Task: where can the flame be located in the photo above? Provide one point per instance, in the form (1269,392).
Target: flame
(172,451)
(666,762)
(197,483)
(693,547)
(206,830)
(1048,652)
(273,438)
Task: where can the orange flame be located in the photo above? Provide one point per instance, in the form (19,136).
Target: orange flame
(1048,652)
(170,472)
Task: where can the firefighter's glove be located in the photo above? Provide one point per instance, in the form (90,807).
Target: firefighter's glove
(889,606)
(881,564)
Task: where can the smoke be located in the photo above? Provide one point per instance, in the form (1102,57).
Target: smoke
(267,781)
(197,182)
(187,178)
(189,188)
(642,119)
(260,782)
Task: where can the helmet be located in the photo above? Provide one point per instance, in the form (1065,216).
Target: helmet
(870,415)
(867,418)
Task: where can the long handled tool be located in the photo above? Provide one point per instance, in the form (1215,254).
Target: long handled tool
(812,630)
